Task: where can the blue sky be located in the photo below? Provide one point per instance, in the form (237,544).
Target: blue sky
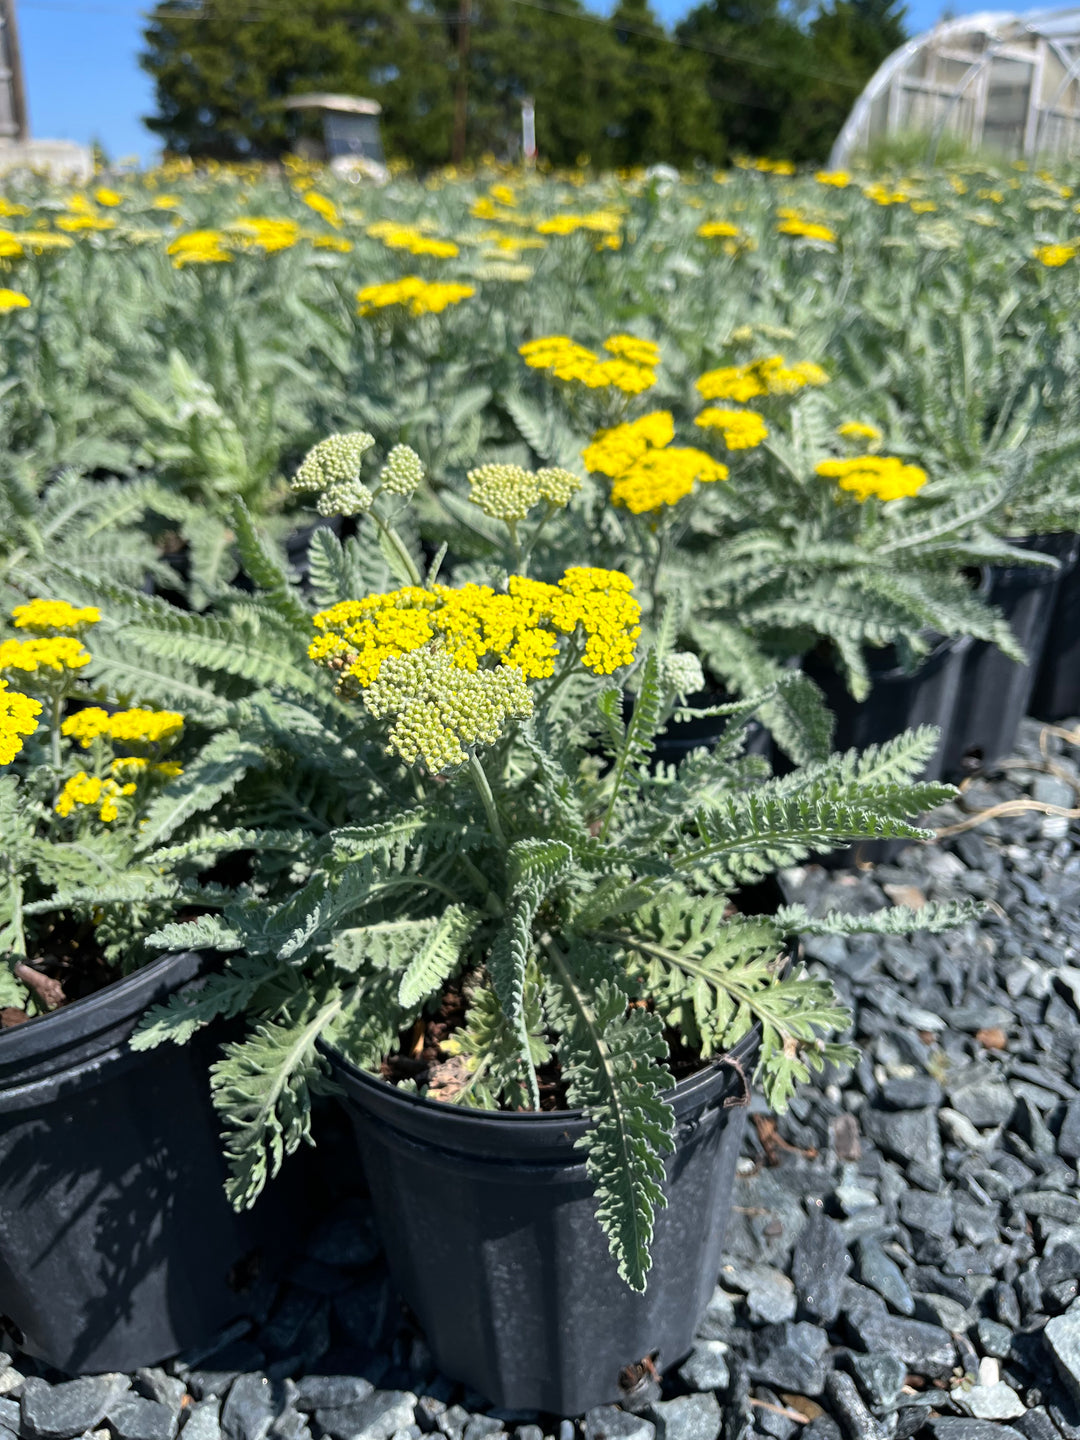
(84,83)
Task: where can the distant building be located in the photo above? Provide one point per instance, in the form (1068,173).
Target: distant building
(352,141)
(996,81)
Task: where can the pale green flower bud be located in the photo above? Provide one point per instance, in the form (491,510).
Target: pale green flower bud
(344,497)
(403,471)
(557,485)
(335,459)
(681,672)
(503,492)
(441,709)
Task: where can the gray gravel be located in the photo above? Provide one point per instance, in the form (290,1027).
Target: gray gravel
(905,1264)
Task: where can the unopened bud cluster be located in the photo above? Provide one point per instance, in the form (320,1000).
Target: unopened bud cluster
(331,470)
(509,492)
(682,673)
(441,709)
(403,471)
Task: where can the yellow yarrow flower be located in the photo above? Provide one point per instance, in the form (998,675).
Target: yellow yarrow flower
(630,371)
(1054,256)
(13,300)
(10,245)
(885,477)
(90,790)
(139,765)
(18,718)
(598,222)
(633,349)
(806,230)
(43,615)
(731,382)
(664,477)
(264,233)
(199,247)
(59,653)
(408,237)
(131,727)
(107,197)
(420,297)
(839,179)
(718,230)
(769,376)
(41,241)
(883,194)
(858,430)
(80,220)
(474,624)
(613,451)
(322,205)
(741,429)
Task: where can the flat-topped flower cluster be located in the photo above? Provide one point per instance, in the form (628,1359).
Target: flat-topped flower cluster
(632,368)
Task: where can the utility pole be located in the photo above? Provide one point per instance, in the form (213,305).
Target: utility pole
(13,122)
(461,89)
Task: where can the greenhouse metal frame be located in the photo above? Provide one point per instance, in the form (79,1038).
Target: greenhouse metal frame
(995,80)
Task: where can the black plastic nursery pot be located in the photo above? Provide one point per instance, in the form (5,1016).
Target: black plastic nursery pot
(897,701)
(1056,695)
(680,737)
(488,1220)
(996,692)
(117,1245)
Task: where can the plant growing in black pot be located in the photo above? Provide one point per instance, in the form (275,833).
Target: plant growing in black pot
(533,965)
(790,535)
(110,1170)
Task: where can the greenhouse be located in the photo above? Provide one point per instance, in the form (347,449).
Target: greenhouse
(995,81)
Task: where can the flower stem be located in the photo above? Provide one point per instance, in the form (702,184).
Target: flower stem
(480,780)
(54,730)
(396,543)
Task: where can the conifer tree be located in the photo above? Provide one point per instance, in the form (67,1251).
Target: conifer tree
(222,69)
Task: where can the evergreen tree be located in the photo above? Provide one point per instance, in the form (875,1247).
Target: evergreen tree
(782,83)
(755,52)
(222,69)
(762,77)
(662,110)
(561,58)
(849,40)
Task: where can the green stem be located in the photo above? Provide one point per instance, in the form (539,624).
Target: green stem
(18,931)
(473,1078)
(571,661)
(526,553)
(491,900)
(54,731)
(398,545)
(521,562)
(480,780)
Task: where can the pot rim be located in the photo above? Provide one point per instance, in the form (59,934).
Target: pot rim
(116,1004)
(682,1094)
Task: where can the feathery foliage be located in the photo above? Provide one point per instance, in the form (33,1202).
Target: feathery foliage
(554,902)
